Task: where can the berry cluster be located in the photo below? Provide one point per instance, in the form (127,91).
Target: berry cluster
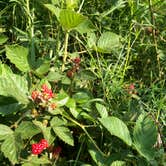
(39,147)
(76,65)
(43,97)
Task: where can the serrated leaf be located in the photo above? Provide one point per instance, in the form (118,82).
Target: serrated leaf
(117,128)
(70,19)
(15,86)
(53,9)
(102,110)
(5,132)
(58,125)
(27,129)
(11,147)
(48,135)
(107,42)
(145,136)
(18,55)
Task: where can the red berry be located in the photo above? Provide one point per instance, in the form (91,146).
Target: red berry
(37,148)
(44,143)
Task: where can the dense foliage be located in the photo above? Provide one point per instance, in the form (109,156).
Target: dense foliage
(82,82)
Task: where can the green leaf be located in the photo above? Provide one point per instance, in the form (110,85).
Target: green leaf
(53,9)
(48,135)
(11,147)
(9,105)
(15,86)
(70,19)
(62,131)
(97,157)
(18,55)
(85,27)
(27,129)
(54,76)
(5,69)
(5,132)
(44,66)
(145,136)
(107,42)
(62,98)
(36,161)
(87,75)
(102,110)
(81,97)
(3,39)
(118,163)
(117,128)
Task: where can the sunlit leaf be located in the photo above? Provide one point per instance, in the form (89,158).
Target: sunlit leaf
(70,19)
(18,55)
(102,110)
(5,132)
(62,131)
(107,42)
(117,127)
(15,86)
(11,147)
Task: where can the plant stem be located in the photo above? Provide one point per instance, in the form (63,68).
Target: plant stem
(65,50)
(86,132)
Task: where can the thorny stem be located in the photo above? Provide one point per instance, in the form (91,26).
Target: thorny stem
(65,50)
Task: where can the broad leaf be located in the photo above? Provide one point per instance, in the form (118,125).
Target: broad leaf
(102,110)
(70,19)
(3,39)
(81,97)
(62,131)
(4,69)
(53,9)
(5,132)
(9,105)
(145,136)
(27,129)
(48,135)
(108,41)
(15,86)
(85,27)
(117,127)
(11,148)
(18,55)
